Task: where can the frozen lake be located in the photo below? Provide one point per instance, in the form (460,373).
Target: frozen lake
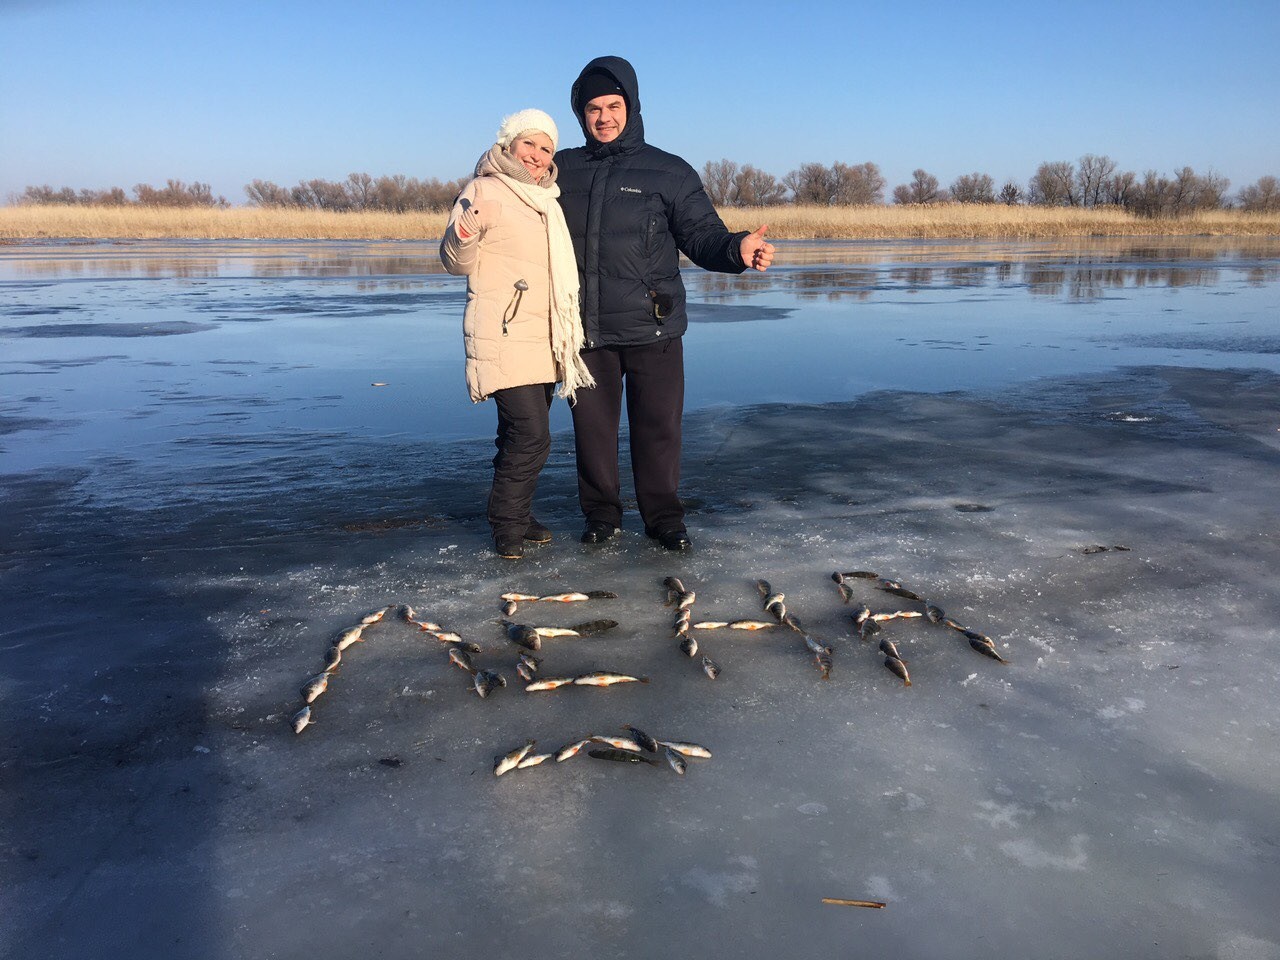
(201,486)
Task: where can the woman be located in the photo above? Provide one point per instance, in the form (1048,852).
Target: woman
(522,327)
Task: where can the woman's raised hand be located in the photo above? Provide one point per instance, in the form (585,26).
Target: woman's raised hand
(468,224)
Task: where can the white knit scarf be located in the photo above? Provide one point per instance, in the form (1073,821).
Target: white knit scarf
(566,317)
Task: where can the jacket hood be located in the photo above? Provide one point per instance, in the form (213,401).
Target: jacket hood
(633,133)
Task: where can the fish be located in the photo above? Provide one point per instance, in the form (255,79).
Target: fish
(686,600)
(555,631)
(646,742)
(564,598)
(814,646)
(532,760)
(509,761)
(314,687)
(860,615)
(592,627)
(603,678)
(601,595)
(675,761)
(673,583)
(618,743)
(899,591)
(571,749)
(953,625)
(792,621)
(374,617)
(898,667)
(348,637)
(468,646)
(987,649)
(530,661)
(764,587)
(837,577)
(980,637)
(710,667)
(824,662)
(869,628)
(623,756)
(526,672)
(547,683)
(857,575)
(301,719)
(429,626)
(525,636)
(445,637)
(896,615)
(517,597)
(774,598)
(751,625)
(332,659)
(407,613)
(710,624)
(459,657)
(890,649)
(846,593)
(779,610)
(689,647)
(934,614)
(688,749)
(887,584)
(509,608)
(486,681)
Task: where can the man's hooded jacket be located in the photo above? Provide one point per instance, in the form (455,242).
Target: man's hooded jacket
(632,209)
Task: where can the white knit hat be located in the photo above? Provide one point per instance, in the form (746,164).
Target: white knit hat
(524,121)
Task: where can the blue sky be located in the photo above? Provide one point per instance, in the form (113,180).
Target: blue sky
(97,94)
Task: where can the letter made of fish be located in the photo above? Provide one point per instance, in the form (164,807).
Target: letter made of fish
(509,761)
(603,678)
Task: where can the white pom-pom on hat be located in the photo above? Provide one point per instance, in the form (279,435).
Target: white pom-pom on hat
(525,120)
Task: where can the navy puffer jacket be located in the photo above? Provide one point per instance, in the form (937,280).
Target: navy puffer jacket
(632,209)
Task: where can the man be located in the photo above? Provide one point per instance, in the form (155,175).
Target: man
(632,209)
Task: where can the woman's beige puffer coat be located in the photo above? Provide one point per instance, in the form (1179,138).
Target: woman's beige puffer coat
(511,246)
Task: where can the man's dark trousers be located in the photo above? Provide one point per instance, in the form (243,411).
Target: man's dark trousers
(653,375)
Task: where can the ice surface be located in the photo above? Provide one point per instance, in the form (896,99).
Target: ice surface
(189,521)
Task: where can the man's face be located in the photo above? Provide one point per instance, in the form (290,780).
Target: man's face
(606,117)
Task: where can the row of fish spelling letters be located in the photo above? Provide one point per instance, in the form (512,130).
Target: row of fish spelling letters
(630,749)
(868,623)
(317,685)
(682,600)
(531,637)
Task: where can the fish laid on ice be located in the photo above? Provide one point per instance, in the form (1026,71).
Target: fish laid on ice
(314,687)
(592,627)
(525,636)
(374,617)
(987,649)
(792,621)
(869,628)
(532,760)
(855,575)
(517,597)
(301,719)
(555,631)
(647,742)
(445,637)
(846,592)
(890,649)
(710,624)
(673,583)
(688,749)
(686,599)
(348,637)
(623,756)
(525,671)
(486,681)
(900,591)
(564,598)
(675,761)
(682,621)
(509,608)
(407,613)
(509,761)
(332,659)
(689,646)
(458,657)
(898,667)
(751,625)
(571,749)
(860,615)
(896,615)
(710,667)
(815,646)
(603,678)
(618,743)
(934,614)
(429,626)
(825,663)
(764,587)
(548,683)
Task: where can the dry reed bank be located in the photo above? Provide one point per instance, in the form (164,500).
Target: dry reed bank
(785,223)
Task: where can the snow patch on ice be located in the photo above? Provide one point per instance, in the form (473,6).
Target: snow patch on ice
(1244,947)
(716,887)
(1002,814)
(812,809)
(1028,854)
(880,888)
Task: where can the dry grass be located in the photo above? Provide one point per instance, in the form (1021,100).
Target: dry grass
(785,223)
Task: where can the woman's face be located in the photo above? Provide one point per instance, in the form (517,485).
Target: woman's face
(535,151)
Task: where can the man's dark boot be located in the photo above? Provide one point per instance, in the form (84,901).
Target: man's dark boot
(509,546)
(599,531)
(675,540)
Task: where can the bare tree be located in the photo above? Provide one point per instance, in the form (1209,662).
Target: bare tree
(1053,185)
(1261,197)
(923,188)
(1091,178)
(810,183)
(756,188)
(717,180)
(973,188)
(856,185)
(1120,189)
(359,187)
(264,193)
(1011,194)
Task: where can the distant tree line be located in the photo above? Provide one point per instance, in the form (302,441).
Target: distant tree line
(1092,181)
(394,194)
(174,193)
